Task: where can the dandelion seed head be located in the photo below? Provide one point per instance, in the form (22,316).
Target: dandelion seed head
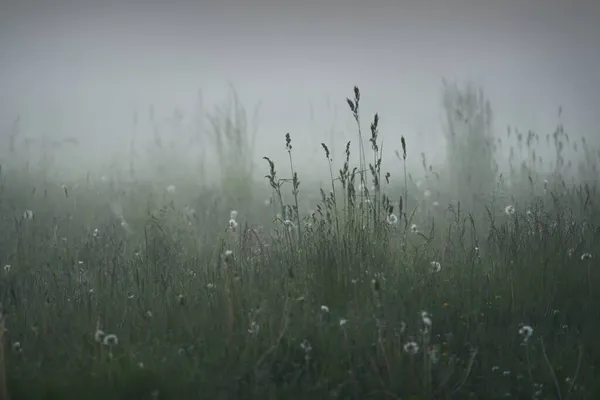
(99,335)
(110,340)
(392,219)
(7,268)
(414,228)
(411,348)
(509,210)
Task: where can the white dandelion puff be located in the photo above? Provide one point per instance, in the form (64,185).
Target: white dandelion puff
(509,210)
(99,335)
(110,340)
(411,348)
(233,225)
(526,331)
(435,266)
(7,268)
(392,219)
(414,228)
(586,256)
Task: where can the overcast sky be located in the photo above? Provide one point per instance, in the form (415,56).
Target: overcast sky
(81,68)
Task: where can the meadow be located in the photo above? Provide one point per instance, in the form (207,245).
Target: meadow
(457,281)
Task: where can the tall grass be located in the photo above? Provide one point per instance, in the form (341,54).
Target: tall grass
(370,295)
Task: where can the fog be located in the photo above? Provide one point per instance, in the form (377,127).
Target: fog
(84,69)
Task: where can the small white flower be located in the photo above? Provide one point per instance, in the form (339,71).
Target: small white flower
(411,348)
(210,285)
(16,346)
(586,256)
(495,368)
(414,228)
(254,328)
(7,268)
(149,314)
(171,189)
(435,266)
(506,373)
(306,346)
(99,335)
(343,321)
(427,193)
(140,365)
(96,233)
(233,225)
(324,309)
(436,203)
(233,214)
(110,340)
(509,210)
(28,215)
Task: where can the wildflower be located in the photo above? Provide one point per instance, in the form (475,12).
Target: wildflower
(99,335)
(130,295)
(414,228)
(306,346)
(254,328)
(96,233)
(509,210)
(411,348)
(495,368)
(28,215)
(506,373)
(427,193)
(110,340)
(392,219)
(149,314)
(233,225)
(171,189)
(343,321)
(7,268)
(289,224)
(436,203)
(570,252)
(140,365)
(233,214)
(586,256)
(526,331)
(324,309)
(402,327)
(435,266)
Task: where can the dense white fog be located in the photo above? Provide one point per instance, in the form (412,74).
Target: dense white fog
(84,69)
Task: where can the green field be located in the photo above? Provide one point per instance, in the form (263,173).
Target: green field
(456,281)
